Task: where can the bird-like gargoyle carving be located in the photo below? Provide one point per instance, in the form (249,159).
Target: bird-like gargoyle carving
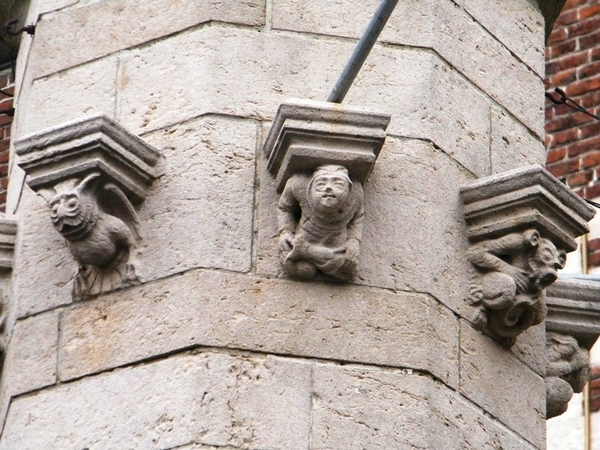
(508,286)
(320,223)
(100,227)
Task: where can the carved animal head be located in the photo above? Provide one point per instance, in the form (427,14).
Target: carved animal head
(74,211)
(330,187)
(544,258)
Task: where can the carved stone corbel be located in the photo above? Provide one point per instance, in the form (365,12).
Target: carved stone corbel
(321,155)
(92,173)
(572,328)
(520,225)
(8,231)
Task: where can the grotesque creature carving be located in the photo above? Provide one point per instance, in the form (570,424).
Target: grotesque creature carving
(99,224)
(567,372)
(320,224)
(508,287)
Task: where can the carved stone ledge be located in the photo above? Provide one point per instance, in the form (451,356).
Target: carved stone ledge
(572,328)
(8,232)
(321,155)
(92,172)
(520,225)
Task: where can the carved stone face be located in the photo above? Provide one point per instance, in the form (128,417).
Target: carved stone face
(330,191)
(545,261)
(70,213)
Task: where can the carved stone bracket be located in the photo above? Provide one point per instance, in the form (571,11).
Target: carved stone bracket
(520,225)
(8,231)
(92,172)
(572,328)
(321,155)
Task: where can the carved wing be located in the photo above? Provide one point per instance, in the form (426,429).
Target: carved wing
(113,201)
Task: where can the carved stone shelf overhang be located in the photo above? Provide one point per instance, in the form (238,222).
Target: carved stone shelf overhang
(574,309)
(572,328)
(528,197)
(307,134)
(88,145)
(8,232)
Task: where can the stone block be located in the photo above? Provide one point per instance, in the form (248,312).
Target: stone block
(512,144)
(32,354)
(426,98)
(8,231)
(518,25)
(357,408)
(44,267)
(502,385)
(200,212)
(119,24)
(413,186)
(209,398)
(217,309)
(82,91)
(531,348)
(451,32)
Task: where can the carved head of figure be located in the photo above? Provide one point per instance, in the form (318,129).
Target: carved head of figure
(329,187)
(73,211)
(544,259)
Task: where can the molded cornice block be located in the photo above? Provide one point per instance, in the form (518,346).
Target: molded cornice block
(307,134)
(528,197)
(8,231)
(77,148)
(574,308)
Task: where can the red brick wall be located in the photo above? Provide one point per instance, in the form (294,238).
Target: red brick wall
(573,138)
(7,85)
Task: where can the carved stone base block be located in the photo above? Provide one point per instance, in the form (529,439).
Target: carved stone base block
(572,327)
(92,172)
(321,154)
(520,224)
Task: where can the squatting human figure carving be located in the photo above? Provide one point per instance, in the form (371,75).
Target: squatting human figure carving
(508,288)
(99,224)
(320,223)
(568,371)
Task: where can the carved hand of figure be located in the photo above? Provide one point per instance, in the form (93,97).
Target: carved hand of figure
(520,276)
(352,249)
(286,242)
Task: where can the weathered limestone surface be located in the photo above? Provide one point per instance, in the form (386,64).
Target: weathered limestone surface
(427,99)
(144,21)
(32,354)
(209,308)
(216,399)
(200,213)
(495,380)
(43,265)
(451,32)
(368,409)
(512,145)
(70,95)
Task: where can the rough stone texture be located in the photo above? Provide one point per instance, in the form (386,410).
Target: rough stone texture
(512,145)
(367,409)
(83,91)
(209,308)
(499,383)
(32,354)
(516,24)
(44,267)
(407,190)
(451,32)
(199,214)
(214,399)
(531,348)
(427,99)
(144,21)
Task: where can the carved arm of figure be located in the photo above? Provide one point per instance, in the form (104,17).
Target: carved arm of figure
(288,214)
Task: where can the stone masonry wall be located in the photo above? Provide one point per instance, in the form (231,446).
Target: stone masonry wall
(215,348)
(6,103)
